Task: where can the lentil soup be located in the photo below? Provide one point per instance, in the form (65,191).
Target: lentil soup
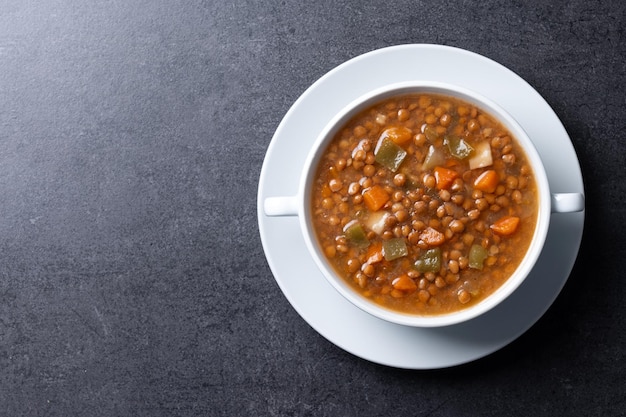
(424,204)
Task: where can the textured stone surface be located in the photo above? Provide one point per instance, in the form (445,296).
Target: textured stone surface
(132,278)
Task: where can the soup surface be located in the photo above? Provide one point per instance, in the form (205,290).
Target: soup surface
(424,204)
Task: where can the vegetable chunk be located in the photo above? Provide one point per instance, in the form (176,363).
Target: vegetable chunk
(389,155)
(505,226)
(430,261)
(375,197)
(487,181)
(482,156)
(404,283)
(398,135)
(394,249)
(432,237)
(445,177)
(458,147)
(477,256)
(355,234)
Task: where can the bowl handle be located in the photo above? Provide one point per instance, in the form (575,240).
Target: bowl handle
(567,202)
(281,206)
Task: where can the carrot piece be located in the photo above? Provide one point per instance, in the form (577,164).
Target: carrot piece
(374,253)
(505,226)
(398,134)
(444,177)
(404,283)
(375,197)
(487,181)
(432,237)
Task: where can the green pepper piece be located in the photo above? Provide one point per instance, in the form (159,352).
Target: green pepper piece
(431,134)
(477,256)
(394,248)
(458,147)
(354,232)
(389,155)
(430,261)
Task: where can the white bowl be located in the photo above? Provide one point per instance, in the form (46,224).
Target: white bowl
(300,204)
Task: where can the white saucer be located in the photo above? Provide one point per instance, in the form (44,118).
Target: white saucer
(338,320)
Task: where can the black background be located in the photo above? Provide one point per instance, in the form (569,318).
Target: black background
(132,277)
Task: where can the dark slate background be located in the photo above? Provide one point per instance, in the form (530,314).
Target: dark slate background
(132,277)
